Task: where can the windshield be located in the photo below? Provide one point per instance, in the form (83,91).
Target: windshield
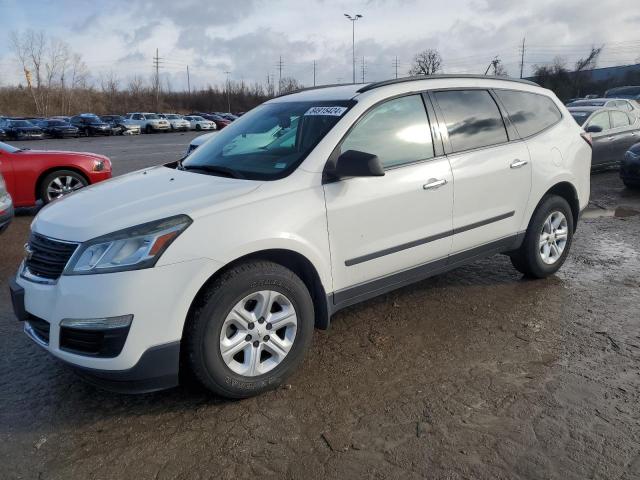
(151,116)
(172,117)
(5,147)
(580,117)
(56,123)
(269,142)
(20,123)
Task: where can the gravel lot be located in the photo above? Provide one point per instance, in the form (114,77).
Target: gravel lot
(473,374)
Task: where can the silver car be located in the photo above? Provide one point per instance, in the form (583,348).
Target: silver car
(6,206)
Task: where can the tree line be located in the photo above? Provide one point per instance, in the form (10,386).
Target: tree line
(57,82)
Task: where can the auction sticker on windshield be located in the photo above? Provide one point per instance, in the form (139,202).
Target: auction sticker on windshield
(331,111)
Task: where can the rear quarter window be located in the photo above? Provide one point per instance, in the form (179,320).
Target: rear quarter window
(530,113)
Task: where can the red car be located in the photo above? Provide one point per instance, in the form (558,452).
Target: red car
(47,175)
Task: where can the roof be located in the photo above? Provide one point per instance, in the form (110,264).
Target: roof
(351,90)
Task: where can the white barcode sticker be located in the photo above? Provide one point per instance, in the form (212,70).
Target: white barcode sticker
(330,111)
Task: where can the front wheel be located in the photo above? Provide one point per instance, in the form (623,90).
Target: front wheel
(250,330)
(548,239)
(60,183)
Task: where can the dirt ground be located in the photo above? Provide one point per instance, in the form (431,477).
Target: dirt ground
(473,374)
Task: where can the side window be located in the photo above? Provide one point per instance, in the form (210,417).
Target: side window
(137,116)
(601,120)
(530,112)
(397,132)
(619,119)
(626,106)
(472,118)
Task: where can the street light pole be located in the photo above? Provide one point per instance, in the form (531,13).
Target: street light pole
(353,19)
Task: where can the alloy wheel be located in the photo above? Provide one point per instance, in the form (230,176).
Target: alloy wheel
(258,333)
(553,237)
(63,185)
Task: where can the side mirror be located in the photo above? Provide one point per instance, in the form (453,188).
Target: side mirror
(593,129)
(353,163)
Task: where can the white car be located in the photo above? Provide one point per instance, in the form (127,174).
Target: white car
(199,140)
(199,123)
(149,122)
(176,122)
(225,261)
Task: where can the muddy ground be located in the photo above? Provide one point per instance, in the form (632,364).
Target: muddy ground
(473,374)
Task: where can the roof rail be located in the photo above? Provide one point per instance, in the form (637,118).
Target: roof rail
(384,83)
(318,87)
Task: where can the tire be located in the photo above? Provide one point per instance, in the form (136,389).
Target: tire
(74,180)
(148,129)
(529,259)
(198,127)
(203,332)
(631,185)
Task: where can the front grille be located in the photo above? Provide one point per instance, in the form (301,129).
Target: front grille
(40,328)
(48,257)
(95,343)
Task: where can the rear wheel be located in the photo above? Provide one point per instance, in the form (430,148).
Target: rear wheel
(148,129)
(630,184)
(548,239)
(60,183)
(198,127)
(250,330)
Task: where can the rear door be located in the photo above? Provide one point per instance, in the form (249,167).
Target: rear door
(491,175)
(624,130)
(380,226)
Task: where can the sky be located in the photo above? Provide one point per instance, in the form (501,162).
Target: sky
(247,38)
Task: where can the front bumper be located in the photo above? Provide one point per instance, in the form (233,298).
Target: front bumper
(159,299)
(6,211)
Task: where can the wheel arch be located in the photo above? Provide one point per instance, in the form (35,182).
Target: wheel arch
(50,170)
(567,191)
(294,261)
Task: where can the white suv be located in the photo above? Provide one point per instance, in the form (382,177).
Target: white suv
(224,262)
(149,122)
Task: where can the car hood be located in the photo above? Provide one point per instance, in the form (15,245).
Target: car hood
(136,198)
(56,154)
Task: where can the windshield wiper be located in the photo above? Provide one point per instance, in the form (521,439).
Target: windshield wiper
(215,170)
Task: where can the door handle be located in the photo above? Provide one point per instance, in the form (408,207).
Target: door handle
(434,183)
(518,163)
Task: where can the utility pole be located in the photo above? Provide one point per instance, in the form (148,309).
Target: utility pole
(228,88)
(314,73)
(188,81)
(493,63)
(395,65)
(522,59)
(280,65)
(364,68)
(156,63)
(353,19)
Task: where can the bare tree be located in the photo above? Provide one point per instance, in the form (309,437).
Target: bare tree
(287,85)
(426,62)
(110,86)
(28,48)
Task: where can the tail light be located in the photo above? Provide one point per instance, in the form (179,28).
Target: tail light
(587,138)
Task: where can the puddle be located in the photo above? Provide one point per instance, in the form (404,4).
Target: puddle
(620,212)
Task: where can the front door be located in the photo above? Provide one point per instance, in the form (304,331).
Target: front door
(602,148)
(379,226)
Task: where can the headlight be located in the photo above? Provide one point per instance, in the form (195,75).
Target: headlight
(134,248)
(98,165)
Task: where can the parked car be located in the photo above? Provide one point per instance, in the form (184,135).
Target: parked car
(198,123)
(632,92)
(630,167)
(196,142)
(612,132)
(149,122)
(120,125)
(176,122)
(6,206)
(217,119)
(3,134)
(620,104)
(47,175)
(90,125)
(58,128)
(243,253)
(21,130)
